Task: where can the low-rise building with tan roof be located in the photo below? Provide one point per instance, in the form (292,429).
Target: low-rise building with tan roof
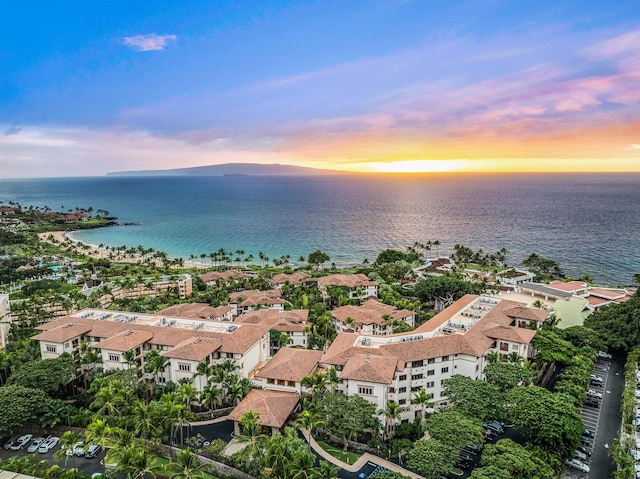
(455,341)
(250,299)
(292,322)
(274,407)
(198,311)
(184,341)
(372,317)
(358,286)
(294,279)
(217,278)
(286,370)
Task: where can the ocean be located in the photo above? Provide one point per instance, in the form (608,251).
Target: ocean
(588,222)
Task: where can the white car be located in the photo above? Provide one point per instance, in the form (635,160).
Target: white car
(603,355)
(21,442)
(49,444)
(594,393)
(72,450)
(577,464)
(580,455)
(33,447)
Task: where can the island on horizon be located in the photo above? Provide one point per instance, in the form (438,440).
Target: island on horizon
(233,169)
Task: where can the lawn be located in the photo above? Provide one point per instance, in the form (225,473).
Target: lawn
(347,457)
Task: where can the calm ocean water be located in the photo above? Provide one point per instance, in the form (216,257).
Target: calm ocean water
(590,223)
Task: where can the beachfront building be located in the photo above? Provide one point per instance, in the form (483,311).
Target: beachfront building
(355,286)
(294,279)
(372,317)
(126,288)
(514,277)
(293,323)
(218,278)
(455,341)
(554,289)
(183,342)
(253,299)
(5,318)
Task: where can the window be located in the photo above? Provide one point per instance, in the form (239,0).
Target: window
(402,401)
(270,381)
(229,355)
(51,348)
(402,390)
(184,367)
(402,377)
(431,360)
(431,372)
(445,358)
(366,391)
(514,347)
(442,382)
(417,364)
(430,384)
(416,376)
(445,370)
(114,357)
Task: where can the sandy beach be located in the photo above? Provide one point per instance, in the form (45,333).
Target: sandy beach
(66,238)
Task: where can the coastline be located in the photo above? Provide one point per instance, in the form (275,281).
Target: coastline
(96,252)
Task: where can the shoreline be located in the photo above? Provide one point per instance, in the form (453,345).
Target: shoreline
(95,252)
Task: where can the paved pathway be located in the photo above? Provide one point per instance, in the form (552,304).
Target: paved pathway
(364,459)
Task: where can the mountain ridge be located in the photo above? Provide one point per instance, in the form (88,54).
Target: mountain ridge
(232,169)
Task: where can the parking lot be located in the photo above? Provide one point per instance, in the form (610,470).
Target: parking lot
(86,465)
(602,418)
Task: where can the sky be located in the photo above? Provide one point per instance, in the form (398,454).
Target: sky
(92,87)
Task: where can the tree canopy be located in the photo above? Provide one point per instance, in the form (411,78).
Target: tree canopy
(48,375)
(508,456)
(446,289)
(507,375)
(18,404)
(348,416)
(454,428)
(618,324)
(431,458)
(318,258)
(549,420)
(474,398)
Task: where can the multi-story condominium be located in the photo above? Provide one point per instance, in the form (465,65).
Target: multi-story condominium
(455,341)
(184,342)
(293,323)
(5,318)
(252,299)
(198,311)
(358,285)
(217,278)
(151,287)
(294,279)
(372,317)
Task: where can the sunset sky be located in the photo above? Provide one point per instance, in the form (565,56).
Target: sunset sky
(374,85)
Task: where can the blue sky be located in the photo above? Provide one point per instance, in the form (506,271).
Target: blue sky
(92,87)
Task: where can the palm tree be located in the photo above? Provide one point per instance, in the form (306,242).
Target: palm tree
(145,423)
(250,433)
(155,364)
(210,395)
(423,399)
(130,358)
(302,465)
(515,358)
(310,421)
(333,379)
(68,442)
(492,357)
(186,465)
(326,471)
(106,402)
(99,431)
(392,413)
(187,393)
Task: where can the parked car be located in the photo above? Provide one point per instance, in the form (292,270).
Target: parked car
(21,442)
(494,428)
(78,446)
(595,377)
(596,382)
(589,433)
(35,444)
(580,455)
(585,449)
(594,393)
(10,442)
(577,464)
(603,355)
(48,445)
(465,457)
(496,424)
(591,403)
(93,450)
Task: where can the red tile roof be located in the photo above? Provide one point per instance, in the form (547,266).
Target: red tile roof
(274,407)
(291,364)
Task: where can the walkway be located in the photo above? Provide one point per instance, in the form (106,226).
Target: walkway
(364,459)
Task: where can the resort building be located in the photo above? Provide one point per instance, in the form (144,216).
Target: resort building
(252,299)
(198,311)
(600,297)
(373,317)
(455,341)
(554,289)
(218,278)
(292,323)
(357,286)
(5,319)
(151,287)
(286,370)
(294,279)
(184,342)
(274,407)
